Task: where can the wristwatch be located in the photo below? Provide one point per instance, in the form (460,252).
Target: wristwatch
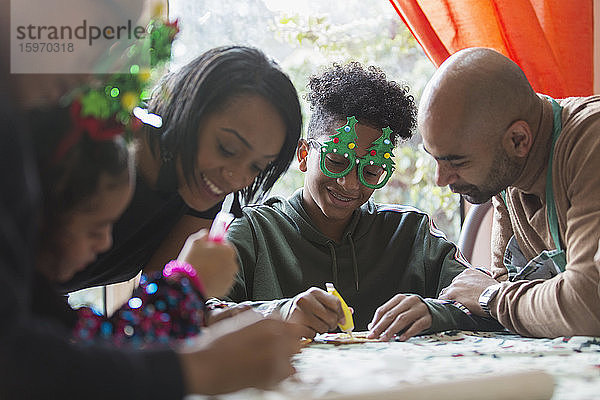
(486,297)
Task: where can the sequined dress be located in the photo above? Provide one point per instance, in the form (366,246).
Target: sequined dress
(161,310)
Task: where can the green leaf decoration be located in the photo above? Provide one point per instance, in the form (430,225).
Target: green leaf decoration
(95,104)
(121,93)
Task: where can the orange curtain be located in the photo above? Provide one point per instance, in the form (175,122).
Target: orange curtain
(551,40)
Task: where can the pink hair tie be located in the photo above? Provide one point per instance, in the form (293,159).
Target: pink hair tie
(176,266)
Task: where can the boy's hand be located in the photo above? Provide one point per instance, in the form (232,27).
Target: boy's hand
(215,262)
(401,312)
(317,311)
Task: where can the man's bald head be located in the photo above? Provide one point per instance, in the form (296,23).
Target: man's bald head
(477,91)
(477,117)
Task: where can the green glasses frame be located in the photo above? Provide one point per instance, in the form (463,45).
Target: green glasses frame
(344,143)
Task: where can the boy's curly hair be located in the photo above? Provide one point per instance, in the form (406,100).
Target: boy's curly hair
(346,90)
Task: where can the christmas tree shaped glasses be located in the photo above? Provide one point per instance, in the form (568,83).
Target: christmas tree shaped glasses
(338,156)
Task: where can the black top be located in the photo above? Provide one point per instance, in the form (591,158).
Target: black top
(136,236)
(46,302)
(37,359)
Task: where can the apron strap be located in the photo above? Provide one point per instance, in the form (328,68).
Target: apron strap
(550,205)
(557,256)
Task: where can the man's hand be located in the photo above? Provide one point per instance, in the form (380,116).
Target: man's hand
(466,288)
(317,311)
(244,351)
(401,312)
(215,262)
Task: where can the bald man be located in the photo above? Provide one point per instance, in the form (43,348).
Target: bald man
(538,159)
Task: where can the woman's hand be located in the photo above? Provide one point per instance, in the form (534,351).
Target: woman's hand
(215,262)
(219,314)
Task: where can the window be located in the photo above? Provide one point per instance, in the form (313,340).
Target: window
(308,35)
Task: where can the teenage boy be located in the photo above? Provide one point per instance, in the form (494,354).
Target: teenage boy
(389,262)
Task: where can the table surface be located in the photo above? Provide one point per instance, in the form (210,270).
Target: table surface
(324,369)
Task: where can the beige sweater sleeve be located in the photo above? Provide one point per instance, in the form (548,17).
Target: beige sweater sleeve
(569,303)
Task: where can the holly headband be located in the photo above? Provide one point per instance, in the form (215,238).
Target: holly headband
(105,111)
(338,156)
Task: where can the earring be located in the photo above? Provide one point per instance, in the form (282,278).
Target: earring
(229,174)
(303,153)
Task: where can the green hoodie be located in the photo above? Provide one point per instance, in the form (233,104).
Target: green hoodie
(385,250)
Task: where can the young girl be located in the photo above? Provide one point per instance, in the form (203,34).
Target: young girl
(231,121)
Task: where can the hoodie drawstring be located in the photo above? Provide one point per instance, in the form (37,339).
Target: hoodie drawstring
(334,267)
(354,263)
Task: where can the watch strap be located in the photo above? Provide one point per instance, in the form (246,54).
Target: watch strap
(486,297)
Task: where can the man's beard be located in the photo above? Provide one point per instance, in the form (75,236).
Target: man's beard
(503,173)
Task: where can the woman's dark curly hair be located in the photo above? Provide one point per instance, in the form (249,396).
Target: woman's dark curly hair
(351,90)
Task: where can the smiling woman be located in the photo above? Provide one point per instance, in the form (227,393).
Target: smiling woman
(231,121)
(235,146)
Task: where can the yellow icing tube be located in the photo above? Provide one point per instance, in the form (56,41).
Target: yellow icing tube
(348,326)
